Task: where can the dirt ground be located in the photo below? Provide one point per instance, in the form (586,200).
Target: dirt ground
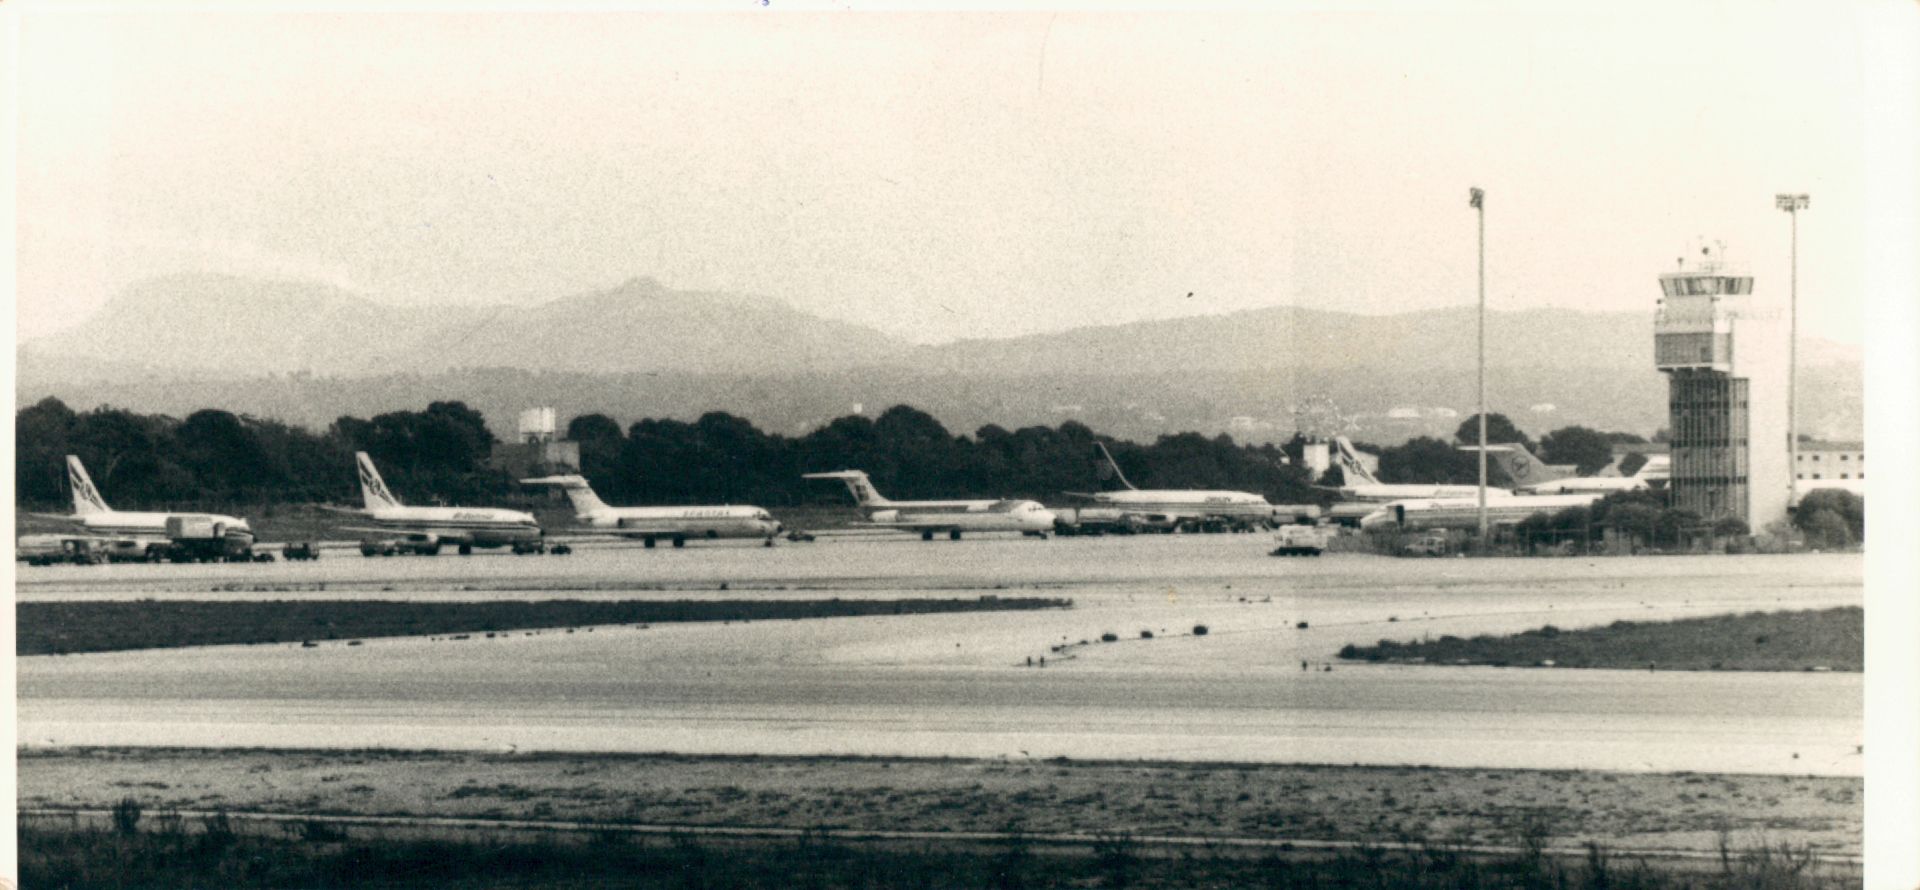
(1621,811)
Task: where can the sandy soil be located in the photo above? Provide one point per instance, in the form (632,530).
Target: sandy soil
(1619,810)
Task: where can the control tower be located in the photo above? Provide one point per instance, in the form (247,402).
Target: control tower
(1725,357)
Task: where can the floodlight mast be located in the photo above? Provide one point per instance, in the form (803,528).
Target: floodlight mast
(1792,204)
(1476,198)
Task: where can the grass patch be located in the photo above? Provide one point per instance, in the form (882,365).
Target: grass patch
(60,628)
(1831,639)
(215,853)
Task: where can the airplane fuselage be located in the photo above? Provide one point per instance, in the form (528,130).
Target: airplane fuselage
(1383,492)
(1586,485)
(472,526)
(685,522)
(952,516)
(1167,506)
(152,527)
(1465,512)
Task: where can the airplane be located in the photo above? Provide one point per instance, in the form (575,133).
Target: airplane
(952,517)
(1425,513)
(1362,486)
(649,524)
(150,534)
(1530,476)
(427,528)
(1172,508)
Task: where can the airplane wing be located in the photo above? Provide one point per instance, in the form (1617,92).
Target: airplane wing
(1084,495)
(331,508)
(58,517)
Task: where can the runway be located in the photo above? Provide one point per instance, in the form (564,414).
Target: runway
(960,685)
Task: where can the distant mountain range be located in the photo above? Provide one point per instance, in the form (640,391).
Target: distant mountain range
(218,325)
(642,349)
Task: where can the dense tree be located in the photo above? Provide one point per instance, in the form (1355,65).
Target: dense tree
(1587,450)
(1831,517)
(600,440)
(440,455)
(1426,459)
(41,442)
(1500,430)
(225,455)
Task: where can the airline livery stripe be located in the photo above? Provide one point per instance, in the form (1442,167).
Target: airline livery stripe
(404,524)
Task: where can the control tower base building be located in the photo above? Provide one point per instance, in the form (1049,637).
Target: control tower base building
(1724,352)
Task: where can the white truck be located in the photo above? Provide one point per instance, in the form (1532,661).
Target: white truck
(45,550)
(1300,540)
(200,538)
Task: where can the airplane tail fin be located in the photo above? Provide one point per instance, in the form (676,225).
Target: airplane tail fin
(1521,467)
(857,482)
(578,491)
(86,499)
(1107,468)
(1352,470)
(373,489)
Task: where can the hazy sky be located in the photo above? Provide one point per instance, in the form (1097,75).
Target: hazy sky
(944,175)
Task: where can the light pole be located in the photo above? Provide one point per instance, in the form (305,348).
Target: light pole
(1477,199)
(1792,204)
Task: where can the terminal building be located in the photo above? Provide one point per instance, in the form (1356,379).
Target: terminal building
(1725,357)
(1841,465)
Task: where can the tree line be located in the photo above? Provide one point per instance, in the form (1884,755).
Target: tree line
(214,458)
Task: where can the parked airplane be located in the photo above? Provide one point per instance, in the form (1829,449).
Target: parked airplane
(650,524)
(1362,486)
(952,517)
(211,534)
(426,528)
(1530,476)
(1172,508)
(1465,512)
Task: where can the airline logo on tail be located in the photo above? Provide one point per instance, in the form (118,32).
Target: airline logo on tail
(1520,465)
(1352,471)
(863,492)
(373,489)
(86,498)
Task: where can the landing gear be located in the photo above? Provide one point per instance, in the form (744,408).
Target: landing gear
(466,549)
(647,543)
(679,541)
(953,535)
(926,536)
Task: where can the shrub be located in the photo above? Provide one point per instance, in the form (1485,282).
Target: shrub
(126,816)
